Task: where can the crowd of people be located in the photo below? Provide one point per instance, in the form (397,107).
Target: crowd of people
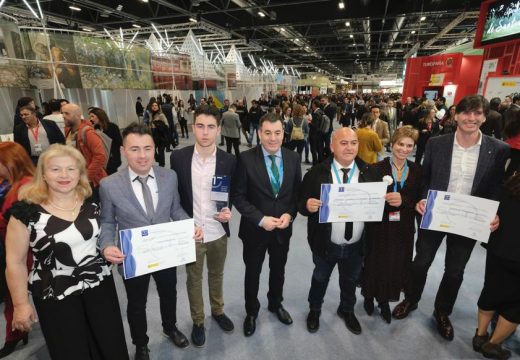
(63,195)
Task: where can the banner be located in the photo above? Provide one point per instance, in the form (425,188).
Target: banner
(12,73)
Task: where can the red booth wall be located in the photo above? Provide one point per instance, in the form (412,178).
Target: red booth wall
(460,70)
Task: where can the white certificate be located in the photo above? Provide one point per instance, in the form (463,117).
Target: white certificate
(352,202)
(152,248)
(464,215)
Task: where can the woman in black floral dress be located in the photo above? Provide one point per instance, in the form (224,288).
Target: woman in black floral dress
(389,244)
(71,284)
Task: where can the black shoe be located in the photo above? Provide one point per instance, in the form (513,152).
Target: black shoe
(9,346)
(313,321)
(142,353)
(178,338)
(385,312)
(198,335)
(478,341)
(444,326)
(282,315)
(249,325)
(495,351)
(403,309)
(351,321)
(224,322)
(368,304)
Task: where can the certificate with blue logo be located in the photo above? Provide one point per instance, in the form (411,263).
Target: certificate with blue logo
(464,215)
(352,202)
(220,191)
(157,247)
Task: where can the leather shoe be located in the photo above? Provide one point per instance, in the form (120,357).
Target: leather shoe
(224,322)
(351,321)
(198,335)
(495,351)
(142,353)
(385,312)
(177,337)
(368,304)
(282,315)
(313,321)
(444,325)
(478,341)
(403,309)
(249,325)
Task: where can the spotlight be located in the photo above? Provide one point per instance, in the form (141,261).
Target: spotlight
(341,5)
(261,14)
(422,18)
(193,20)
(413,31)
(347,23)
(74,8)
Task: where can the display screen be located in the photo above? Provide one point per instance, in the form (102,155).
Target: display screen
(431,94)
(502,22)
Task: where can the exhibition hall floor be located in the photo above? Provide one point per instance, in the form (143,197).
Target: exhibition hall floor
(412,338)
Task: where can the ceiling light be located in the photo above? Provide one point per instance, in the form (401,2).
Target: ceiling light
(413,31)
(341,5)
(347,23)
(261,14)
(136,26)
(87,29)
(119,7)
(145,1)
(351,36)
(282,29)
(74,8)
(193,20)
(423,18)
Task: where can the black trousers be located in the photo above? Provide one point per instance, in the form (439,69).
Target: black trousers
(85,326)
(317,142)
(253,255)
(296,144)
(184,126)
(137,293)
(235,142)
(458,252)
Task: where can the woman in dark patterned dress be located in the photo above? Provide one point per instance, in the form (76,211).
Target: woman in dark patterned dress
(71,284)
(389,244)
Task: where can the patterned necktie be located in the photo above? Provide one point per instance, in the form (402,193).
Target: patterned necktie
(348,225)
(147,195)
(275,183)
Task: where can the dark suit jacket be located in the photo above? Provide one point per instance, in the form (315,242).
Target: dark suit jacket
(54,134)
(490,167)
(318,235)
(493,124)
(180,161)
(253,197)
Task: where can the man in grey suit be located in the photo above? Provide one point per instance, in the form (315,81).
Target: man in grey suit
(466,162)
(230,125)
(142,195)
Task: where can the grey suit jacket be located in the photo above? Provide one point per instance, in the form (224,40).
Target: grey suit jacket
(121,210)
(490,171)
(230,124)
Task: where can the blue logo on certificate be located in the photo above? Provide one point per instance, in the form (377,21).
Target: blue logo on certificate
(446,197)
(341,189)
(144,233)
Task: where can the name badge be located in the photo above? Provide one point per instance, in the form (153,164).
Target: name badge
(38,149)
(220,191)
(394,216)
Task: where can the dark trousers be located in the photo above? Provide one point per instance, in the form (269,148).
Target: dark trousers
(349,259)
(85,326)
(458,251)
(235,142)
(419,153)
(296,144)
(326,146)
(253,255)
(316,140)
(184,127)
(159,154)
(137,293)
(253,129)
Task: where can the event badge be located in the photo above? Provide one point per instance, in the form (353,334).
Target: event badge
(38,149)
(220,191)
(394,216)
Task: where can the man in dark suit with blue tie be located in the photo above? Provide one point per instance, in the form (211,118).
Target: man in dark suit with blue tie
(465,162)
(265,187)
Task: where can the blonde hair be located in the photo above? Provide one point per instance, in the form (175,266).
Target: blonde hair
(37,190)
(403,132)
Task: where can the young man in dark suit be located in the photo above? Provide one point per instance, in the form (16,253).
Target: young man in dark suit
(264,191)
(465,162)
(335,243)
(196,167)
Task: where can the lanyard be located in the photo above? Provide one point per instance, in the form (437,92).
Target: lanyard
(403,175)
(350,174)
(271,175)
(34,133)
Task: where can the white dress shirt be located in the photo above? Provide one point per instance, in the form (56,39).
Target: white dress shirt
(204,209)
(337,235)
(138,189)
(463,167)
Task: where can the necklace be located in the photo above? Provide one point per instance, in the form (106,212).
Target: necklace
(72,210)
(402,167)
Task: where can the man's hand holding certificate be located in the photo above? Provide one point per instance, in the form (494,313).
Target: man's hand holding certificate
(464,215)
(352,202)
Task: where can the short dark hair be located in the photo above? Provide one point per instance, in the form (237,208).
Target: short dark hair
(375,107)
(516,98)
(494,103)
(442,98)
(209,110)
(137,129)
(65,101)
(29,108)
(270,117)
(23,101)
(54,105)
(472,103)
(316,103)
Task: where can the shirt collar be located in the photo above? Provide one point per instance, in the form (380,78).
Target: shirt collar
(479,142)
(266,153)
(339,166)
(133,174)
(212,156)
